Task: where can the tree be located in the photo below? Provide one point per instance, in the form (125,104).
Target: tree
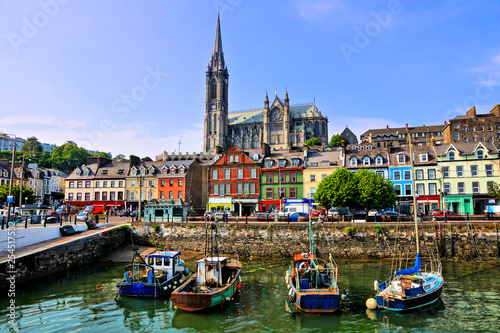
(146,159)
(103,154)
(313,142)
(68,156)
(494,190)
(361,190)
(120,157)
(27,193)
(336,140)
(45,160)
(32,146)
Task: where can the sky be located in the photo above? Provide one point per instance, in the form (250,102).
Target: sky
(128,77)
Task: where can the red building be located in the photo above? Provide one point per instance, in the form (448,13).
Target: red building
(234,181)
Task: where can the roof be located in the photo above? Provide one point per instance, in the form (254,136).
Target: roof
(212,259)
(397,130)
(257,116)
(324,159)
(164,254)
(465,148)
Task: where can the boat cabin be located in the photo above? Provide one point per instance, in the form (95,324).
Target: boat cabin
(164,261)
(213,271)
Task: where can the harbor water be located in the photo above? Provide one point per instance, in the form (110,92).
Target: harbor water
(71,303)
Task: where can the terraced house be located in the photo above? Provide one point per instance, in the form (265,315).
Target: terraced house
(319,164)
(428,181)
(468,169)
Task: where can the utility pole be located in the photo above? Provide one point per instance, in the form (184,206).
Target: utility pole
(11,179)
(21,186)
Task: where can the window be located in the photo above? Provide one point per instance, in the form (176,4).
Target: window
(150,183)
(104,196)
(132,196)
(245,188)
(143,172)
(431,174)
(252,188)
(461,188)
(269,177)
(489,185)
(281,193)
(366,160)
(112,183)
(87,196)
(481,128)
(401,158)
(134,172)
(253,173)
(281,163)
(120,183)
(353,161)
(313,178)
(70,196)
(451,155)
(464,129)
(87,184)
(460,171)
(162,195)
(240,173)
(79,197)
(407,189)
(292,192)
(480,154)
(292,178)
(379,160)
(227,174)
(397,187)
(457,136)
(214,174)
(105,183)
(268,164)
(162,183)
(228,188)
(179,194)
(407,174)
(447,188)
(111,195)
(423,157)
(490,128)
(420,189)
(170,195)
(215,188)
(239,188)
(475,187)
(446,172)
(419,174)
(97,184)
(432,189)
(230,158)
(473,129)
(179,182)
(295,162)
(79,184)
(171,182)
(396,174)
(489,170)
(269,193)
(164,171)
(473,170)
(282,178)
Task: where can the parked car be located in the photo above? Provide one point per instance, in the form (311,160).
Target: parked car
(448,213)
(134,213)
(389,215)
(259,214)
(315,213)
(208,213)
(52,213)
(332,212)
(373,212)
(294,217)
(82,217)
(52,219)
(124,213)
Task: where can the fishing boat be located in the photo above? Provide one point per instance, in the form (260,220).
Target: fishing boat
(312,282)
(410,288)
(157,275)
(215,282)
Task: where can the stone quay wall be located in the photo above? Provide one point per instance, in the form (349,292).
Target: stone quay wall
(457,242)
(36,266)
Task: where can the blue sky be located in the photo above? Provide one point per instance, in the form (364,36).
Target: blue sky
(128,77)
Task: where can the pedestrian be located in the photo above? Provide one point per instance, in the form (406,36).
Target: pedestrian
(225,216)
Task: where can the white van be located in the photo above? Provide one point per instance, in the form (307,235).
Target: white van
(290,209)
(492,209)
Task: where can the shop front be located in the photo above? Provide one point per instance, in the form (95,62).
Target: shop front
(216,204)
(481,201)
(268,205)
(460,204)
(428,203)
(245,206)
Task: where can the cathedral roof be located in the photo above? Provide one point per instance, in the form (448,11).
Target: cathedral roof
(257,116)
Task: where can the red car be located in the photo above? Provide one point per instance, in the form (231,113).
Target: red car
(448,213)
(52,213)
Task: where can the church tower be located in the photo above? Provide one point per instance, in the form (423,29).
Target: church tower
(216,98)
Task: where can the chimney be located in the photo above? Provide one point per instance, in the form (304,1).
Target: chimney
(133,161)
(496,110)
(472,112)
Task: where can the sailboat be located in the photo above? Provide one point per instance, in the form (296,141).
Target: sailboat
(215,282)
(410,288)
(312,282)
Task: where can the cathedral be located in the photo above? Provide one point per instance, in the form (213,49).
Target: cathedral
(278,124)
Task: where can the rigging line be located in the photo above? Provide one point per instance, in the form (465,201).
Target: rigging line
(385,239)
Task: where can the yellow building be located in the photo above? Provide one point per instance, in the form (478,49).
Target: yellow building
(319,165)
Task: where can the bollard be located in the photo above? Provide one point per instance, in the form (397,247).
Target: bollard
(44,222)
(26,222)
(3,222)
(60,221)
(107,218)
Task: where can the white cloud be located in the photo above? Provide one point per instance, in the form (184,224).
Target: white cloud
(313,11)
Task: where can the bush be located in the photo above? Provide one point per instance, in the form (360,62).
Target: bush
(156,228)
(379,229)
(350,231)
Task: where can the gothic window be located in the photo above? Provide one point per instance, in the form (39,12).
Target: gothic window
(215,123)
(323,128)
(273,139)
(209,125)
(293,139)
(255,142)
(246,142)
(208,144)
(213,90)
(237,142)
(316,128)
(299,140)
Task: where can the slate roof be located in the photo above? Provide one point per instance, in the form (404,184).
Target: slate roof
(324,159)
(257,116)
(465,148)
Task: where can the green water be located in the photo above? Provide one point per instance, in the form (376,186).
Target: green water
(70,303)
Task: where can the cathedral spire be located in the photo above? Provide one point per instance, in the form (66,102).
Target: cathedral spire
(266,101)
(218,55)
(287,100)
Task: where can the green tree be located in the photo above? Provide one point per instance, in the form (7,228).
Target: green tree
(45,160)
(494,190)
(32,146)
(103,154)
(361,190)
(146,159)
(68,156)
(27,193)
(313,142)
(336,140)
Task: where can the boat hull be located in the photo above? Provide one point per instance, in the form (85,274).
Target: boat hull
(149,290)
(407,304)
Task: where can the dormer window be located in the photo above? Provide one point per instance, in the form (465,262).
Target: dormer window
(353,161)
(78,172)
(480,154)
(236,158)
(143,172)
(104,172)
(366,160)
(181,170)
(451,155)
(86,173)
(379,160)
(281,163)
(424,157)
(151,171)
(134,172)
(295,162)
(230,158)
(268,164)
(401,158)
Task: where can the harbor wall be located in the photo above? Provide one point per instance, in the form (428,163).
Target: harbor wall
(362,242)
(60,258)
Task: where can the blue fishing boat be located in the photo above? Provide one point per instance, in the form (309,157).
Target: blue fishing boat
(312,282)
(410,288)
(157,275)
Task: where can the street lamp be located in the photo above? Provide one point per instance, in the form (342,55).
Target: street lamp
(9,198)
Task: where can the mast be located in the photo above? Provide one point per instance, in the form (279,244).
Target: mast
(413,186)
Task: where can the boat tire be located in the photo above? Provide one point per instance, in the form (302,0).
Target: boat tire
(291,298)
(304,267)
